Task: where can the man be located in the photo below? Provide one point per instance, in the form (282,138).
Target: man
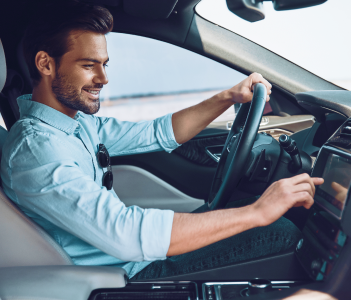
(54,162)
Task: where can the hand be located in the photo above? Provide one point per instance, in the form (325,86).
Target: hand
(340,190)
(283,195)
(242,92)
(305,294)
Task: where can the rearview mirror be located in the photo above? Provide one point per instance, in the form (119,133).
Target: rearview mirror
(252,10)
(249,10)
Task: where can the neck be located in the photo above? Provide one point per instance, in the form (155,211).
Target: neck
(43,93)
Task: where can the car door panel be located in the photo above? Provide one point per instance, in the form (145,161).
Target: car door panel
(190,178)
(136,186)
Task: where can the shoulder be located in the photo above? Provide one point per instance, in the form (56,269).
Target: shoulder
(31,138)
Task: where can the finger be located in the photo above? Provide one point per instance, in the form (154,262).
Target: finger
(318,181)
(258,78)
(300,178)
(303,187)
(303,199)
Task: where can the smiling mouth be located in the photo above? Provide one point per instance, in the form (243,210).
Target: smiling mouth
(92,93)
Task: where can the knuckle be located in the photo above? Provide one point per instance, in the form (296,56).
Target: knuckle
(305,194)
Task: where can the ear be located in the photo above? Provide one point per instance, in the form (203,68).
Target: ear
(45,63)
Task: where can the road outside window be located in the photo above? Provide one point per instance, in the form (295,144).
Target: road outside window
(150,78)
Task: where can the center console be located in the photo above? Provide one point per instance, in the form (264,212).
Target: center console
(326,229)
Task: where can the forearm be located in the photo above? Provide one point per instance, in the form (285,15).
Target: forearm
(192,231)
(189,122)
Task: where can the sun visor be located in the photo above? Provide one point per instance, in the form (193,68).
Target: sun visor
(151,9)
(2,67)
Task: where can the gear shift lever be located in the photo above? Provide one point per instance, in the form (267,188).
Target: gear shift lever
(290,147)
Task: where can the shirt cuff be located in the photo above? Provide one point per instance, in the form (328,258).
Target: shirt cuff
(156,229)
(165,134)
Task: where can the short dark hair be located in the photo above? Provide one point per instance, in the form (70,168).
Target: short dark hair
(50,28)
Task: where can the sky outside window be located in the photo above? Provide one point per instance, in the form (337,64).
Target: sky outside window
(316,38)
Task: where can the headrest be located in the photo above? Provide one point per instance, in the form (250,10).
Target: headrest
(2,67)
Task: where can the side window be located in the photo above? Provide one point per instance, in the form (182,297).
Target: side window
(150,78)
(2,122)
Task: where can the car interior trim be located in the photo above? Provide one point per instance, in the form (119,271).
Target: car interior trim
(58,282)
(2,67)
(237,52)
(333,101)
(152,191)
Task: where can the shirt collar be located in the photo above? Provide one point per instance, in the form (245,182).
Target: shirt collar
(47,114)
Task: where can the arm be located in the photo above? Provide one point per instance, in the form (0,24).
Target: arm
(196,230)
(189,122)
(126,138)
(43,178)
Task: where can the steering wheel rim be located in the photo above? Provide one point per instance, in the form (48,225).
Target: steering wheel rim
(236,151)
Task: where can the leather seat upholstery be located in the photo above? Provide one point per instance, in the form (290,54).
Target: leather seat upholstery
(22,242)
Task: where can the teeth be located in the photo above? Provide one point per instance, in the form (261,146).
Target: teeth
(93,92)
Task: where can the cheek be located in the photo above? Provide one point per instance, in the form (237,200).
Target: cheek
(81,78)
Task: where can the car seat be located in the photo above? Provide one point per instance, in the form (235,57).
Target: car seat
(22,242)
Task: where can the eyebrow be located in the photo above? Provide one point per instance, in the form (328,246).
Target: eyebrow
(92,60)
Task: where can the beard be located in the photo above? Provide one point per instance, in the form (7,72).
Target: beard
(70,97)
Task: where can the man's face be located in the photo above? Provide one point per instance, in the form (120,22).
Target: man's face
(81,74)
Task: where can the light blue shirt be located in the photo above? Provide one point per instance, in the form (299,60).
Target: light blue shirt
(50,170)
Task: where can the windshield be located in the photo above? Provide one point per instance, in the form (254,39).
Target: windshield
(316,38)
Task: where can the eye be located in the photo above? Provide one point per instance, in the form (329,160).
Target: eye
(105,65)
(88,66)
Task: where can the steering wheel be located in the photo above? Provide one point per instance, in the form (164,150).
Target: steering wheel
(236,152)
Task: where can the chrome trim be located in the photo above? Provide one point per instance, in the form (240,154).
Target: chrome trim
(213,156)
(218,292)
(218,285)
(173,282)
(293,123)
(230,143)
(264,120)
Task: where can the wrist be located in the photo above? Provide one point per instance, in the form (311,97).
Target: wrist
(248,217)
(255,217)
(227,96)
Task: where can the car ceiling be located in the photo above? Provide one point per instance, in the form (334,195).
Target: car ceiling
(173,21)
(167,20)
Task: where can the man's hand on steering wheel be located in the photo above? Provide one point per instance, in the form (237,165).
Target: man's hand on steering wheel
(242,92)
(284,194)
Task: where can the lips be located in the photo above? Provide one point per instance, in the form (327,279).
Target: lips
(92,92)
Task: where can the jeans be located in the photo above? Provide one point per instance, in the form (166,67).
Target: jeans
(254,243)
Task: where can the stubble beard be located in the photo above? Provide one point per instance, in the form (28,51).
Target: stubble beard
(66,94)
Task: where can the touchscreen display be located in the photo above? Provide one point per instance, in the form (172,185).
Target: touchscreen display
(337,176)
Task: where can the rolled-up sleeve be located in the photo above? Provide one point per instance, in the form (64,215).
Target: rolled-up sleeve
(52,185)
(125,137)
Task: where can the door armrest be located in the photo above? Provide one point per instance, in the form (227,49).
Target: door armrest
(58,282)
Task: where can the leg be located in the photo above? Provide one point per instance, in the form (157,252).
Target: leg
(251,244)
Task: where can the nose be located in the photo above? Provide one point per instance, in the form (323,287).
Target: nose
(101,76)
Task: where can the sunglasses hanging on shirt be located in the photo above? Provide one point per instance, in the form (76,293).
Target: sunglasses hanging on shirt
(103,158)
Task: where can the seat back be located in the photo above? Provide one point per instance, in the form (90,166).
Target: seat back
(22,242)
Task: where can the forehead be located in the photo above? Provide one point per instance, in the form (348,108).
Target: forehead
(86,44)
